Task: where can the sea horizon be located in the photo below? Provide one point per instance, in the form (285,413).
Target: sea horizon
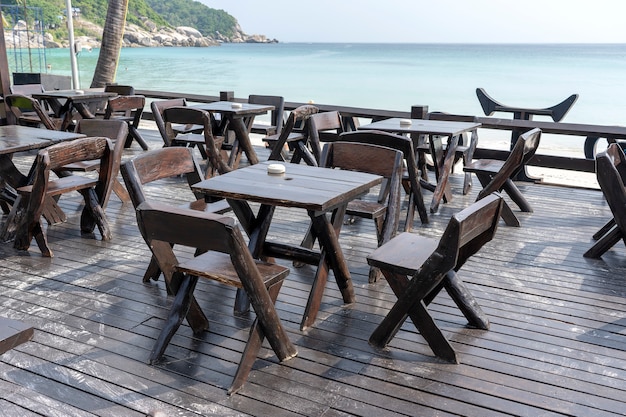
(394,76)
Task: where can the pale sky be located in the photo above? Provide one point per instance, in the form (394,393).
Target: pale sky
(432,21)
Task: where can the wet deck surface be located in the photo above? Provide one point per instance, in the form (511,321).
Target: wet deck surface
(557,343)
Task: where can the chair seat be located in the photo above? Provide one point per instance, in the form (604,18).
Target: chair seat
(219,207)
(404,254)
(64,185)
(484,165)
(82,166)
(219,267)
(185,129)
(293,136)
(366,209)
(194,138)
(267,130)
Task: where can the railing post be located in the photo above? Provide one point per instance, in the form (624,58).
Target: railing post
(227,95)
(419,111)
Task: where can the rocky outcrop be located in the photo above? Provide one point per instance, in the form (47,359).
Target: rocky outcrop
(134,36)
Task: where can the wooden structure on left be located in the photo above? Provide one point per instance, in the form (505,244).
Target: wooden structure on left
(13,333)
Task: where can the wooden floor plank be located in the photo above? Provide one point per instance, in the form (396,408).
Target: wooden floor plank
(556,346)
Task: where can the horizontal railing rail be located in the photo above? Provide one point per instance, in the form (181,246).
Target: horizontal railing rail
(589,131)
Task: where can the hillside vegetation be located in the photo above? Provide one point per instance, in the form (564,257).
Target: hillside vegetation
(164,13)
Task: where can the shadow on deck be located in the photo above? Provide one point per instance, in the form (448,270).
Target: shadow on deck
(557,343)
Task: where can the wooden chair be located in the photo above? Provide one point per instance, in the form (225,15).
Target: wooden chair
(378,160)
(466,145)
(170,131)
(116,130)
(210,146)
(276,116)
(621,169)
(410,177)
(433,265)
(128,109)
(223,256)
(322,127)
(292,135)
(611,174)
(166,163)
(99,109)
(32,198)
(496,175)
(29,112)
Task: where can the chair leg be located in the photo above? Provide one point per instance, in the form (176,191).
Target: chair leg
(516,195)
(93,215)
(133,133)
(179,310)
(411,295)
(508,216)
(120,191)
(465,301)
(424,323)
(251,351)
(605,243)
(152,271)
(467,183)
(604,229)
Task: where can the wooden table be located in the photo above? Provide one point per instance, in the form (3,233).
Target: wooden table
(65,102)
(13,139)
(239,118)
(449,129)
(320,191)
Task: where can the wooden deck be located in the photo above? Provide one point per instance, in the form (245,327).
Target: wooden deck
(557,343)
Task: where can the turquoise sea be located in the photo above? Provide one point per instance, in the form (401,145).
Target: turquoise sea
(387,76)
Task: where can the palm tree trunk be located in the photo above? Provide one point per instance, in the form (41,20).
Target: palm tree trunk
(112,36)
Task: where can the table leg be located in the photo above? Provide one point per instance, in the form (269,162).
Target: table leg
(331,257)
(256,227)
(442,189)
(245,145)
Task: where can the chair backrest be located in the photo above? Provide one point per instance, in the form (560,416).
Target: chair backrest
(126,105)
(115,130)
(372,159)
(186,227)
(323,127)
(194,116)
(159,164)
(112,129)
(389,140)
(299,114)
(276,116)
(18,103)
(611,172)
(158,107)
(524,149)
(56,156)
(122,90)
(468,231)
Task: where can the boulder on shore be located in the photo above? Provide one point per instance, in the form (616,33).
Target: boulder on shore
(134,36)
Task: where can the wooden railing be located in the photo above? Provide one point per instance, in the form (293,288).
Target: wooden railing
(349,114)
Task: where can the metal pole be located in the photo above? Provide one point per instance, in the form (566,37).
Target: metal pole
(70,31)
